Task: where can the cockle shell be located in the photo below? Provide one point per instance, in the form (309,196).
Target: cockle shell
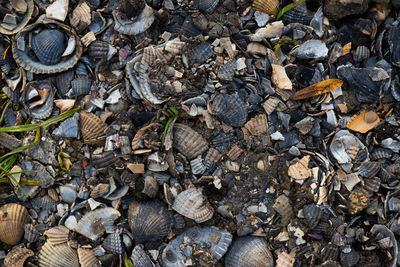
(271,7)
(13,218)
(188,142)
(57,235)
(92,128)
(87,258)
(48,46)
(229,108)
(17,257)
(57,256)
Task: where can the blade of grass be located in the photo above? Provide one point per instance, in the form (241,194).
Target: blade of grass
(19,186)
(3,113)
(23,148)
(287,8)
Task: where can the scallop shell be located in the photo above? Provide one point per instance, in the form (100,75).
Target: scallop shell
(363,122)
(48,46)
(87,258)
(7,28)
(229,108)
(257,125)
(138,25)
(93,224)
(372,184)
(81,17)
(207,6)
(24,60)
(37,99)
(188,142)
(249,251)
(271,7)
(285,259)
(98,49)
(201,53)
(31,234)
(113,243)
(57,256)
(13,218)
(140,258)
(330,252)
(283,207)
(92,128)
(192,204)
(17,257)
(349,259)
(208,240)
(227,71)
(234,153)
(342,144)
(57,235)
(369,169)
(149,221)
(68,128)
(298,14)
(312,213)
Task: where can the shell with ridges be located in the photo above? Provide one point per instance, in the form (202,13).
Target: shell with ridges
(31,233)
(57,235)
(271,7)
(13,218)
(17,257)
(5,29)
(48,46)
(113,243)
(140,258)
(87,258)
(285,259)
(369,169)
(283,207)
(188,142)
(140,24)
(312,213)
(363,122)
(57,256)
(229,108)
(257,125)
(92,128)
(37,99)
(207,6)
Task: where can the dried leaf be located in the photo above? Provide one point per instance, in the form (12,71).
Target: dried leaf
(317,89)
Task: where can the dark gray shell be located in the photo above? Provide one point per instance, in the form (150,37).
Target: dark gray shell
(223,141)
(113,243)
(380,153)
(68,128)
(230,109)
(192,204)
(349,259)
(63,81)
(189,28)
(369,169)
(394,43)
(140,24)
(45,203)
(227,71)
(212,241)
(362,53)
(201,53)
(98,49)
(372,184)
(330,252)
(7,62)
(188,141)
(249,251)
(312,213)
(149,221)
(31,233)
(140,258)
(98,23)
(48,46)
(5,29)
(207,6)
(79,86)
(31,95)
(298,14)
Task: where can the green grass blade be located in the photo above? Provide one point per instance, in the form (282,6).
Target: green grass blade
(19,186)
(59,118)
(128,262)
(4,111)
(23,148)
(288,7)
(19,128)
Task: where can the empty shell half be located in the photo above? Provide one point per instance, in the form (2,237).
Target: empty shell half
(188,141)
(57,256)
(363,122)
(17,257)
(13,218)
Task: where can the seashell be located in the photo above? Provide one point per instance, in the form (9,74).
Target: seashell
(150,186)
(98,49)
(68,128)
(149,55)
(104,160)
(9,29)
(64,104)
(45,203)
(31,234)
(362,53)
(140,24)
(372,184)
(393,41)
(7,61)
(202,52)
(298,14)
(229,108)
(234,153)
(271,104)
(223,141)
(249,251)
(330,263)
(379,229)
(57,256)
(140,258)
(207,6)
(256,49)
(197,166)
(92,128)
(349,259)
(188,142)
(81,17)
(363,122)
(144,83)
(13,218)
(212,155)
(394,204)
(330,252)
(68,193)
(283,207)
(94,223)
(257,125)
(79,86)
(149,221)
(369,169)
(342,144)
(312,213)
(227,71)
(192,204)
(48,50)
(113,243)
(286,260)
(87,258)
(271,7)
(37,99)
(175,46)
(17,257)
(57,10)
(357,201)
(100,190)
(98,24)
(208,240)
(300,170)
(57,235)
(189,28)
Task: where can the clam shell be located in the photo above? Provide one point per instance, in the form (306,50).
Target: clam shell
(254,48)
(192,204)
(13,218)
(63,81)
(208,240)
(175,46)
(188,142)
(212,155)
(207,6)
(87,258)
(369,169)
(17,257)
(140,258)
(31,234)
(357,201)
(249,251)
(6,28)
(149,221)
(98,49)
(271,104)
(271,7)
(201,53)
(229,108)
(104,160)
(285,259)
(342,144)
(25,61)
(234,153)
(92,128)
(363,122)
(138,25)
(257,125)
(283,207)
(113,243)
(99,23)
(312,213)
(93,224)
(57,10)
(37,99)
(57,235)
(298,14)
(57,256)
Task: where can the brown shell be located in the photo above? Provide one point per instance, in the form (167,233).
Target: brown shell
(57,235)
(188,142)
(285,259)
(283,207)
(92,128)
(271,7)
(5,27)
(17,257)
(87,258)
(57,256)
(81,17)
(357,201)
(257,125)
(100,190)
(256,48)
(13,218)
(234,153)
(192,204)
(363,122)
(212,155)
(271,104)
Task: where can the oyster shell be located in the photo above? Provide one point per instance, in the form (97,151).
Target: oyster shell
(13,218)
(57,256)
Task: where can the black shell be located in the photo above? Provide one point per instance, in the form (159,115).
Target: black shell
(113,243)
(297,14)
(349,259)
(369,169)
(230,109)
(98,49)
(140,258)
(48,46)
(394,43)
(207,6)
(312,213)
(372,184)
(80,86)
(380,153)
(201,53)
(330,252)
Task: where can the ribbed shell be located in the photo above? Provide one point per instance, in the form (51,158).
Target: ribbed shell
(362,53)
(285,259)
(312,213)
(149,221)
(349,259)
(31,234)
(330,252)
(249,252)
(201,53)
(197,166)
(188,142)
(80,86)
(234,153)
(271,104)
(140,258)
(192,204)
(13,218)
(363,122)
(380,153)
(140,24)
(113,243)
(100,190)
(297,14)
(267,6)
(369,169)
(283,207)
(372,184)
(45,203)
(57,256)
(223,141)
(57,235)
(94,223)
(6,63)
(257,125)
(68,128)
(48,46)
(92,128)
(17,257)
(98,49)
(5,29)
(45,104)
(227,71)
(229,108)
(87,258)
(212,155)
(207,6)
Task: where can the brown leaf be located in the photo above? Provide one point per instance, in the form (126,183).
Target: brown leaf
(317,89)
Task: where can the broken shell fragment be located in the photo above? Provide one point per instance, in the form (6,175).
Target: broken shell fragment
(283,207)
(13,218)
(87,258)
(133,27)
(37,99)
(11,28)
(229,108)
(17,257)
(92,128)
(271,7)
(280,78)
(57,235)
(300,170)
(57,10)
(363,122)
(188,142)
(257,125)
(345,147)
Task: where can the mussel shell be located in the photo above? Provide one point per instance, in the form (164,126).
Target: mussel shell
(57,256)
(41,111)
(22,23)
(229,108)
(13,218)
(17,257)
(149,221)
(249,251)
(48,46)
(140,258)
(113,243)
(188,141)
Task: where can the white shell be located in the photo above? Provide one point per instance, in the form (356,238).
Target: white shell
(57,10)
